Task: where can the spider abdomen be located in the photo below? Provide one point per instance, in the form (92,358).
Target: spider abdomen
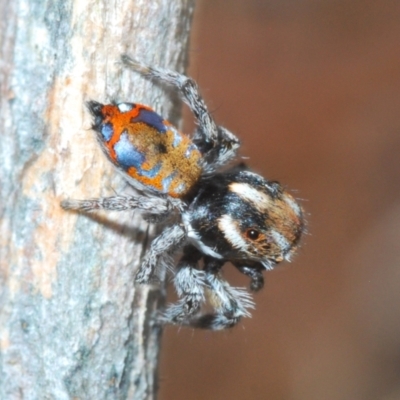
(147,147)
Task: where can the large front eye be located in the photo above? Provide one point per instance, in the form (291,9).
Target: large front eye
(252,234)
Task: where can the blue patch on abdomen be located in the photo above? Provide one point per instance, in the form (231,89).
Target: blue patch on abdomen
(107,131)
(166,182)
(190,150)
(151,173)
(177,138)
(127,155)
(152,119)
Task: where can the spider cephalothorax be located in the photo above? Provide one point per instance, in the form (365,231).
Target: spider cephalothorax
(235,216)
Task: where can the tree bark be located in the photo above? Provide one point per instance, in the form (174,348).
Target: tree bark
(72,323)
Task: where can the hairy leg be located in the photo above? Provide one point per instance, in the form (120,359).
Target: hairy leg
(217,144)
(160,250)
(155,209)
(231,303)
(189,283)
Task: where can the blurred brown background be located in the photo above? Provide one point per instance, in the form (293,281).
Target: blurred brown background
(313,90)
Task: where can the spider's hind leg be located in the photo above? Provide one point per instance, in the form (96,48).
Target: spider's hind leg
(217,144)
(154,209)
(148,205)
(187,87)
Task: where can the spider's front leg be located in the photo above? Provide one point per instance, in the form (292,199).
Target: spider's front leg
(217,144)
(231,303)
(189,283)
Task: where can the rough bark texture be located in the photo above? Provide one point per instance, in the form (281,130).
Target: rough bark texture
(72,323)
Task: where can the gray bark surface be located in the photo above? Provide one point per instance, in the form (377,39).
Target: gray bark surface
(72,323)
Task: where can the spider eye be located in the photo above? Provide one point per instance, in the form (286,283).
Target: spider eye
(252,234)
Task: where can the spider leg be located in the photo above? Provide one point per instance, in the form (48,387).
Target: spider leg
(189,283)
(254,272)
(224,151)
(186,86)
(217,144)
(156,209)
(160,249)
(231,303)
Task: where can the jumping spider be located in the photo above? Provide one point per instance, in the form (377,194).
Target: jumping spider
(235,215)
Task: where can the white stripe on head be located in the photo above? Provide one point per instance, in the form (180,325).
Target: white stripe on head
(246,192)
(194,237)
(280,240)
(229,228)
(289,200)
(288,256)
